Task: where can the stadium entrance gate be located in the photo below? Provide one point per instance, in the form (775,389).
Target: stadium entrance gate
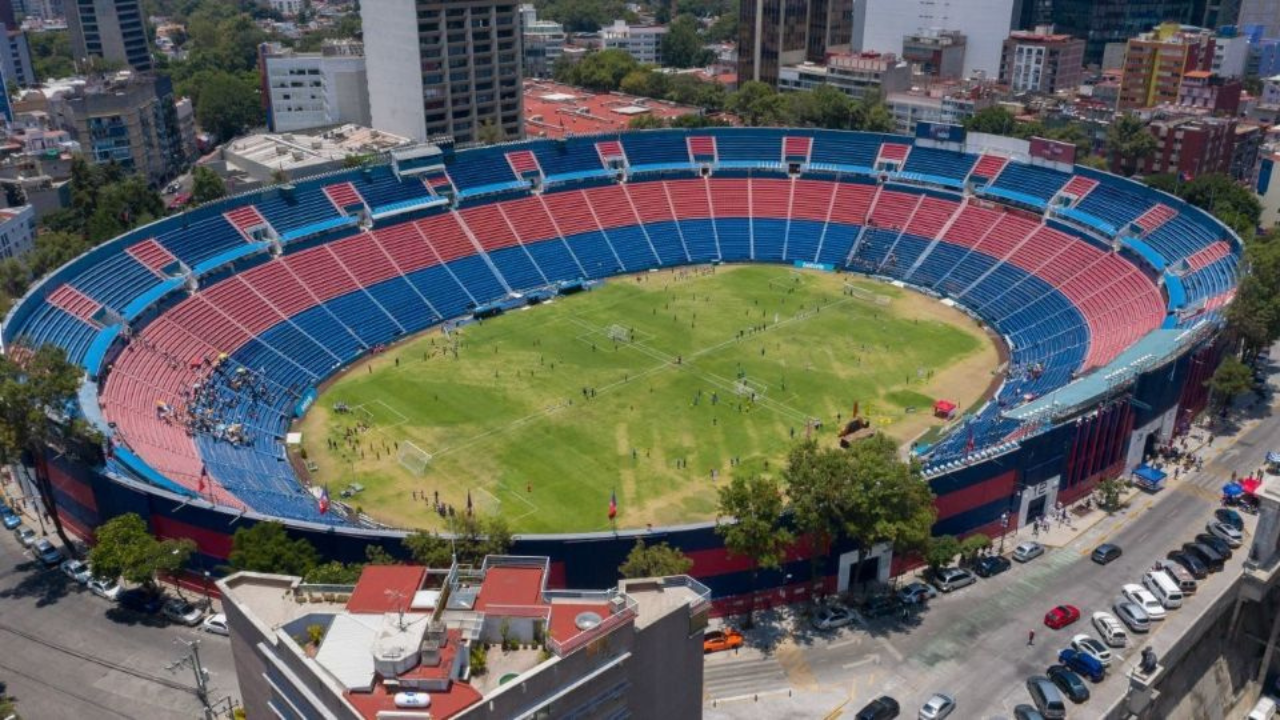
(855,569)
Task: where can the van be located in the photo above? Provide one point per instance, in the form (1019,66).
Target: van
(1182,576)
(1264,710)
(1047,697)
(1164,588)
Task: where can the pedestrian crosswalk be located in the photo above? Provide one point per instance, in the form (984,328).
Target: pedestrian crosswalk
(730,677)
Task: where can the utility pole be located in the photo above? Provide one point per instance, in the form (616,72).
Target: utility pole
(192,660)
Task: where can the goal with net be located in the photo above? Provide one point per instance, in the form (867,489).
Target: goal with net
(865,295)
(413,458)
(618,333)
(750,389)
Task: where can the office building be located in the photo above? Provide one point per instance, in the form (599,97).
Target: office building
(17,231)
(110,29)
(1230,53)
(1263,13)
(854,74)
(939,105)
(1041,61)
(775,33)
(936,53)
(440,70)
(310,90)
(445,636)
(1156,62)
(542,42)
(642,42)
(15,56)
(1246,148)
(1100,22)
(881,25)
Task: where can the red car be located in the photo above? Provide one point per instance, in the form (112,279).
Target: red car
(1061,616)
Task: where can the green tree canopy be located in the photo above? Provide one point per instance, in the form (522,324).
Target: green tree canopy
(1253,318)
(995,120)
(206,185)
(603,70)
(682,46)
(646,121)
(940,551)
(646,82)
(266,547)
(1129,143)
(474,537)
(490,133)
(972,545)
(759,105)
(658,560)
(824,107)
(227,105)
(51,56)
(125,548)
(755,531)
(1230,379)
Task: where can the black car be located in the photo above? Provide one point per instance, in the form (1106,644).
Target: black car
(1205,554)
(1193,565)
(882,708)
(882,605)
(141,601)
(1069,683)
(1027,712)
(991,565)
(1216,543)
(1230,517)
(1105,553)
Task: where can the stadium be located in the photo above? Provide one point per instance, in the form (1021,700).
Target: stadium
(206,336)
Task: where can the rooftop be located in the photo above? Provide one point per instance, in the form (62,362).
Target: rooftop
(290,151)
(554,110)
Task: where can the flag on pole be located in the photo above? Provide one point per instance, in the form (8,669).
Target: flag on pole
(468,502)
(613,504)
(324,499)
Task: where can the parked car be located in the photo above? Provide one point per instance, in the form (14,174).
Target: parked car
(1091,645)
(1143,598)
(937,707)
(11,520)
(1047,697)
(1228,534)
(104,588)
(1186,581)
(217,624)
(991,565)
(917,592)
(1110,629)
(181,611)
(1205,554)
(1061,616)
(1069,683)
(1222,547)
(1027,551)
(1083,663)
(1132,615)
(950,579)
(830,617)
(712,640)
(1027,712)
(140,600)
(882,708)
(1105,553)
(1192,564)
(881,605)
(47,553)
(77,571)
(1230,517)
(26,536)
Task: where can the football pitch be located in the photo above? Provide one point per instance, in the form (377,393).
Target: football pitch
(657,387)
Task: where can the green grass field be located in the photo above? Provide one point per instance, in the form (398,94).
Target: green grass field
(541,415)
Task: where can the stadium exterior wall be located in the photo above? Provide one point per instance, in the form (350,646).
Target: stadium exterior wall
(1070,458)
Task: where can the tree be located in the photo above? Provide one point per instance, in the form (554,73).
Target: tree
(940,551)
(206,185)
(1110,490)
(874,115)
(725,28)
(490,133)
(333,573)
(890,501)
(1230,379)
(227,105)
(645,82)
(972,545)
(51,55)
(1129,143)
(824,107)
(125,548)
(1229,201)
(994,120)
(754,504)
(646,121)
(1253,318)
(474,537)
(267,548)
(603,70)
(682,47)
(429,549)
(759,105)
(658,560)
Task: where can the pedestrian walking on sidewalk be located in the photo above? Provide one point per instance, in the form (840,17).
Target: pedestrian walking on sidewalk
(1031,637)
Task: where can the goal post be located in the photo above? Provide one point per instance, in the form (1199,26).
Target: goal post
(413,458)
(865,295)
(750,389)
(618,333)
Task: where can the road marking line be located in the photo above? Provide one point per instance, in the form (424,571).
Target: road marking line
(892,650)
(845,643)
(872,659)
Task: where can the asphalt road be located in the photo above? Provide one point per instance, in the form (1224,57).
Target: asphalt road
(65,652)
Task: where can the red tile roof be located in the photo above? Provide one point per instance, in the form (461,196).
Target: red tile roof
(386,588)
(510,586)
(554,110)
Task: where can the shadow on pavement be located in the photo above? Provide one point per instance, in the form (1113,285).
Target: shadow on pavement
(46,585)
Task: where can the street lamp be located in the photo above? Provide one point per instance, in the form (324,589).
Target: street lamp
(208,598)
(1004,528)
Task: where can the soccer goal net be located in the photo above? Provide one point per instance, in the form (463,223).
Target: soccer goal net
(750,389)
(413,458)
(865,295)
(618,333)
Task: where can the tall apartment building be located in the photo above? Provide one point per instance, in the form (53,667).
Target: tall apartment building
(301,91)
(642,42)
(854,74)
(1110,21)
(1230,53)
(880,26)
(1156,62)
(1190,145)
(542,42)
(15,53)
(937,53)
(443,69)
(774,33)
(110,29)
(1041,61)
(17,231)
(404,643)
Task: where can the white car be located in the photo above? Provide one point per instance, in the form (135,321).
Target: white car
(1143,598)
(1110,629)
(939,706)
(77,571)
(1028,551)
(26,536)
(179,610)
(830,617)
(1090,645)
(104,588)
(216,624)
(1229,535)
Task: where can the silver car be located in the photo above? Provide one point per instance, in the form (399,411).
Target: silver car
(1028,551)
(949,579)
(181,611)
(938,707)
(1228,534)
(1132,615)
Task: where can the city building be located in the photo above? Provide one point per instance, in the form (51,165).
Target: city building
(1189,146)
(1262,13)
(310,90)
(1041,61)
(1230,53)
(553,110)
(1202,90)
(17,231)
(125,118)
(881,25)
(1246,147)
(112,30)
(15,55)
(642,42)
(1267,186)
(776,33)
(542,42)
(937,53)
(1155,63)
(854,74)
(287,8)
(1215,13)
(1264,57)
(255,160)
(443,70)
(1100,22)
(493,642)
(939,105)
